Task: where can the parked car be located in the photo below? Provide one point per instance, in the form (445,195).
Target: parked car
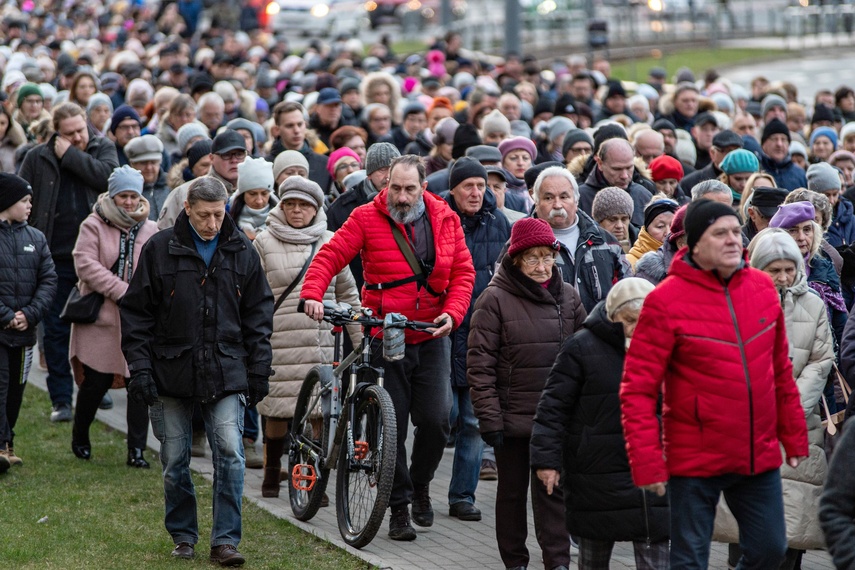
(401,11)
(317,17)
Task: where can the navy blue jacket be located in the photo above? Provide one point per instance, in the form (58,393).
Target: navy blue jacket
(486,234)
(787,174)
(842,230)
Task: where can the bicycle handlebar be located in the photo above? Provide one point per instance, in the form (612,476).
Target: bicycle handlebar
(342,314)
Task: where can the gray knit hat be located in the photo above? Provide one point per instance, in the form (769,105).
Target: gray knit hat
(771,245)
(611,201)
(99,100)
(303,189)
(495,122)
(770,101)
(188,132)
(822,177)
(287,159)
(125,178)
(380,155)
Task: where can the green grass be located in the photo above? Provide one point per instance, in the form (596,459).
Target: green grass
(698,60)
(403,48)
(60,512)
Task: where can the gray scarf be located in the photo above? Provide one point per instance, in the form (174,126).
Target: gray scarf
(279,227)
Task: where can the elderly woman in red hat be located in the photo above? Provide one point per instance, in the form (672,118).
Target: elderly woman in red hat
(518,326)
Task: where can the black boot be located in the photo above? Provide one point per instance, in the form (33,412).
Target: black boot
(273,450)
(136,459)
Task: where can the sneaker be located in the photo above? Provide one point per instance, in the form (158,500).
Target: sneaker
(399,525)
(227,555)
(13,459)
(106,402)
(422,510)
(198,447)
(488,470)
(61,413)
(254,460)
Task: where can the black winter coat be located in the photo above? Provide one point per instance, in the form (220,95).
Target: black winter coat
(199,330)
(486,233)
(27,280)
(42,169)
(578,425)
(156,194)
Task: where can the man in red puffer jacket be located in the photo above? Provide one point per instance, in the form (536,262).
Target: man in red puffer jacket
(712,338)
(419,384)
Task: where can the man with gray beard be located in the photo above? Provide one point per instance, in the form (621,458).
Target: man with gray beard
(415,262)
(591,259)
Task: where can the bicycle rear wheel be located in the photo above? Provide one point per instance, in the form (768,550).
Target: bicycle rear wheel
(309,435)
(366,471)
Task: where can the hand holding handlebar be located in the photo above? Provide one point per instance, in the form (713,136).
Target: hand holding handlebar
(313,309)
(444,327)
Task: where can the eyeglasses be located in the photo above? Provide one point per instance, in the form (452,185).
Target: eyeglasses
(348,166)
(534,261)
(236,155)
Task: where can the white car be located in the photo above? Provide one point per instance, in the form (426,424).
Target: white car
(319,17)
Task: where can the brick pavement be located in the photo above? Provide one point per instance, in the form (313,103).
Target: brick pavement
(449,543)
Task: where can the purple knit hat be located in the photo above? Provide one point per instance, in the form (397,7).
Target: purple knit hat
(517,143)
(789,215)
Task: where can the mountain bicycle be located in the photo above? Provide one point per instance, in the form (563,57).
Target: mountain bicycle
(355,433)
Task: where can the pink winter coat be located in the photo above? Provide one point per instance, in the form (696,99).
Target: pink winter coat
(98,345)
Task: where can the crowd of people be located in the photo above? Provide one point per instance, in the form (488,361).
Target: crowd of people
(641,291)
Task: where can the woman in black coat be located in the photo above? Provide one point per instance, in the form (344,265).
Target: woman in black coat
(578,424)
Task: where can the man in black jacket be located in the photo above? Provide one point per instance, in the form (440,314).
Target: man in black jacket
(74,164)
(615,166)
(196,325)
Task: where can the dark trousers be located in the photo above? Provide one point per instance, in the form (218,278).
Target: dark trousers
(516,480)
(13,379)
(756,502)
(95,384)
(57,334)
(420,387)
(597,554)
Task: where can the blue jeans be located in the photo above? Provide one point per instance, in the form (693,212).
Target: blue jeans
(467,450)
(756,502)
(171,421)
(251,422)
(57,335)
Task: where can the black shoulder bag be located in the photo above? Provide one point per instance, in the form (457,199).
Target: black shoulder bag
(297,279)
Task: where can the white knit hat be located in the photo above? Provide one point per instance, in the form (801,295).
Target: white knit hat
(255,174)
(626,291)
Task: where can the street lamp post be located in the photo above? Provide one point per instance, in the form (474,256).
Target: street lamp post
(512,26)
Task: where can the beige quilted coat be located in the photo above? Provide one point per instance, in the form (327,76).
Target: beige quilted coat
(299,343)
(812,355)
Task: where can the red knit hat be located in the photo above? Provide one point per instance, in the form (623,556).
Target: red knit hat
(665,167)
(677,230)
(531,232)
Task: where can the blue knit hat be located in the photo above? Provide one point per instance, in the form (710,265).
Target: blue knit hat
(827,132)
(740,160)
(125,179)
(122,113)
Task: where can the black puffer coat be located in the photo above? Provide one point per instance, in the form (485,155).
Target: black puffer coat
(199,330)
(578,425)
(486,233)
(27,280)
(517,329)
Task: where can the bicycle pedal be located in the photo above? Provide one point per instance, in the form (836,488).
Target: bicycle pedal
(304,477)
(360,450)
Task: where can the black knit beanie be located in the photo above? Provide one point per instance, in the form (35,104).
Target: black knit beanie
(465,136)
(463,168)
(199,149)
(700,215)
(774,127)
(12,189)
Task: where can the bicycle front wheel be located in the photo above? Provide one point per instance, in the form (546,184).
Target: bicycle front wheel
(309,436)
(366,470)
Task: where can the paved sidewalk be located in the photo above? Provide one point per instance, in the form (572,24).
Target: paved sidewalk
(448,544)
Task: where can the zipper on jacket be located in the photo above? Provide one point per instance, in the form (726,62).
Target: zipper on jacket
(560,325)
(646,518)
(747,376)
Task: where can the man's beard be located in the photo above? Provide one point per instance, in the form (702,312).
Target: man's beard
(406,214)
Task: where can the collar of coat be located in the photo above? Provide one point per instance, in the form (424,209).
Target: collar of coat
(182,239)
(685,268)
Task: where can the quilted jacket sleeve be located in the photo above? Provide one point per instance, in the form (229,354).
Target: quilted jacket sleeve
(792,429)
(811,381)
(45,287)
(646,363)
(345,244)
(485,344)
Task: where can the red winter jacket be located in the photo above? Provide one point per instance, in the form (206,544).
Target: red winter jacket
(367,231)
(720,354)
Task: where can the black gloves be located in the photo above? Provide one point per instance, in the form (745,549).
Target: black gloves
(257,390)
(494,439)
(142,387)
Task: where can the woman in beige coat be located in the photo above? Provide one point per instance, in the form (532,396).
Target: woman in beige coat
(774,252)
(296,230)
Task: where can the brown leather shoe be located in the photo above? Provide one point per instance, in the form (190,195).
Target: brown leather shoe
(227,555)
(183,550)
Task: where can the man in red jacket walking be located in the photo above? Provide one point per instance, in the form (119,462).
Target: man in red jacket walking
(419,384)
(712,338)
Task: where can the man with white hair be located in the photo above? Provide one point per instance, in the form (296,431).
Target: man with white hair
(714,190)
(590,258)
(212,110)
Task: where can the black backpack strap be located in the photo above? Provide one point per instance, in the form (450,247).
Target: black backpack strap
(419,274)
(297,279)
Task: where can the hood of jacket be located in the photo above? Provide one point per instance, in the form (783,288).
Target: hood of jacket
(598,323)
